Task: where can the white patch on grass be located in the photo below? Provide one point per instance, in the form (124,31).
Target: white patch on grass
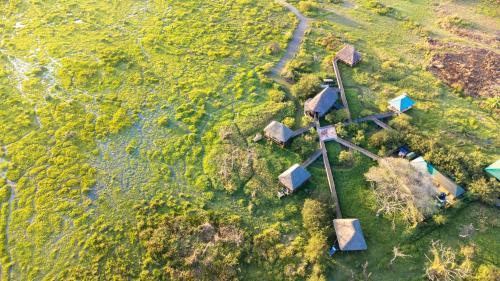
(19,25)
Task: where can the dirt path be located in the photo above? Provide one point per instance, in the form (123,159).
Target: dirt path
(298,35)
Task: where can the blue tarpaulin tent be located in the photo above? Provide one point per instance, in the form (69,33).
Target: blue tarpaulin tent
(401,103)
(443,181)
(494,169)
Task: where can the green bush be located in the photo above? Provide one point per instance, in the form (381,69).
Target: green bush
(307,86)
(314,216)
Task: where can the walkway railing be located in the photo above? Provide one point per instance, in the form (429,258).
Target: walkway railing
(341,87)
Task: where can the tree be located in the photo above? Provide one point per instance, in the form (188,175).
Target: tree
(314,216)
(484,190)
(400,122)
(487,272)
(443,264)
(401,190)
(309,84)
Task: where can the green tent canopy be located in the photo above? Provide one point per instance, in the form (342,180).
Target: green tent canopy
(494,169)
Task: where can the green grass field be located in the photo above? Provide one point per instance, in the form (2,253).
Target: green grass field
(126,139)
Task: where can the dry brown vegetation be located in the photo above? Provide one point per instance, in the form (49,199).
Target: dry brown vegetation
(474,70)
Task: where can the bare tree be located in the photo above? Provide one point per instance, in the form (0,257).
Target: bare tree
(397,253)
(402,190)
(444,265)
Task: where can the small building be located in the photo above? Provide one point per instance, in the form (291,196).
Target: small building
(321,103)
(443,183)
(278,133)
(401,103)
(494,169)
(349,55)
(349,235)
(294,177)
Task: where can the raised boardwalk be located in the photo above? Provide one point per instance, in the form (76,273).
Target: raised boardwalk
(312,158)
(372,117)
(381,124)
(329,175)
(341,87)
(358,148)
(300,131)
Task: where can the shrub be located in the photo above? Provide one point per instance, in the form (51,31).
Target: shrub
(345,157)
(314,216)
(307,6)
(484,190)
(162,121)
(315,248)
(443,264)
(439,219)
(401,122)
(276,95)
(454,21)
(273,48)
(308,85)
(486,272)
(288,121)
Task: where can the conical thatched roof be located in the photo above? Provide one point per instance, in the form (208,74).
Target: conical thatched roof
(278,131)
(349,55)
(294,177)
(322,102)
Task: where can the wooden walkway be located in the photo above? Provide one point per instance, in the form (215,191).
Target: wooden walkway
(381,124)
(312,158)
(329,175)
(358,148)
(300,131)
(372,117)
(341,87)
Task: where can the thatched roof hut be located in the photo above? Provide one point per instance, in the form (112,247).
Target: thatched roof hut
(321,103)
(294,177)
(349,235)
(349,55)
(278,132)
(444,183)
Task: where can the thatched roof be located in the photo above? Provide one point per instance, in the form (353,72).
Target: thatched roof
(349,234)
(322,102)
(440,179)
(294,177)
(349,55)
(278,131)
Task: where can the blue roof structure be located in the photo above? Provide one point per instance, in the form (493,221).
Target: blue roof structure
(494,169)
(401,103)
(440,179)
